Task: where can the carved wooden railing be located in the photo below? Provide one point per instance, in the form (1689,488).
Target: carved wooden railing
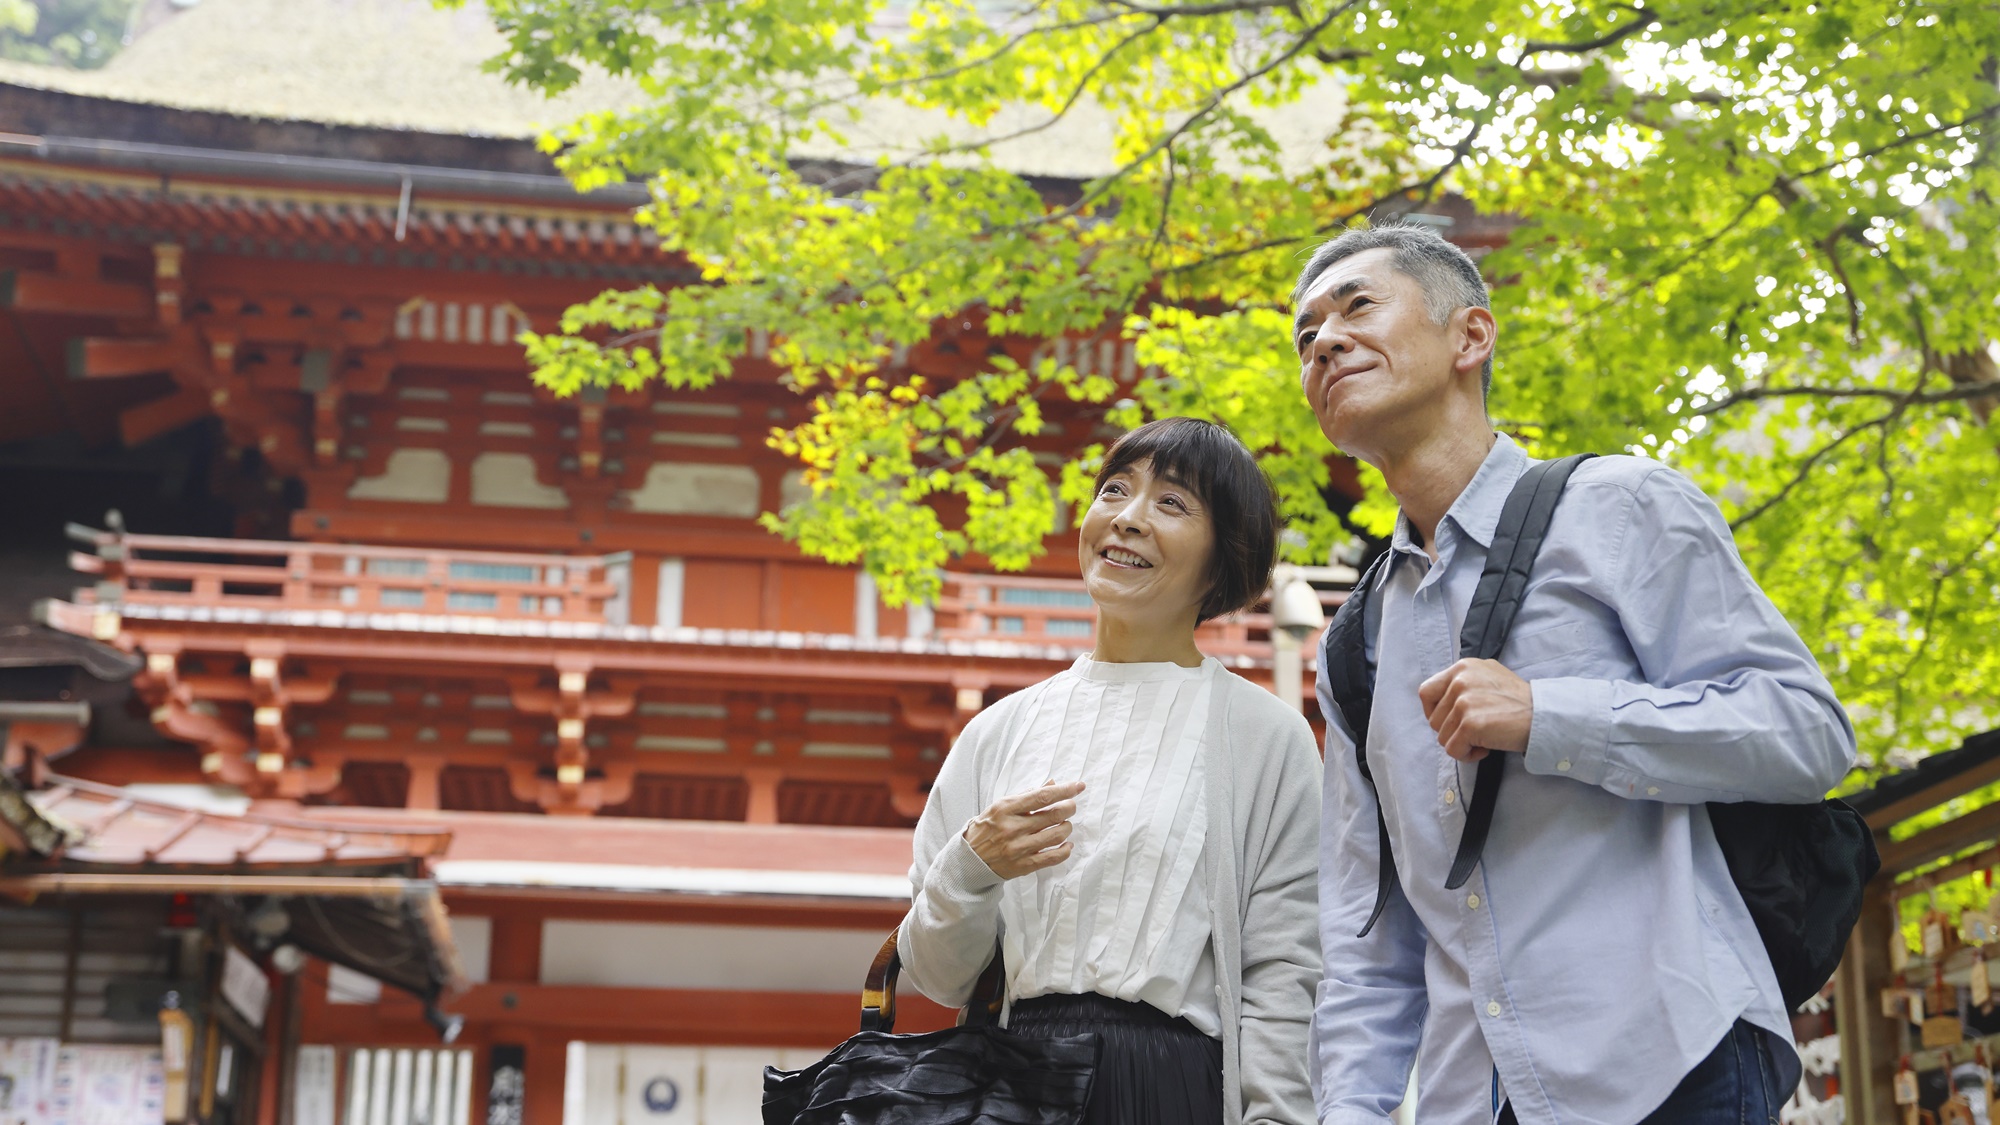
(222,574)
(172,570)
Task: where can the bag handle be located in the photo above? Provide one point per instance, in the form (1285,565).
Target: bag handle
(878,991)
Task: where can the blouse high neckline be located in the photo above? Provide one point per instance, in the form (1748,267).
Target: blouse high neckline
(1145,672)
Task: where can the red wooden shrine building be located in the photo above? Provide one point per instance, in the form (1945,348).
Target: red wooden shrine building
(369,579)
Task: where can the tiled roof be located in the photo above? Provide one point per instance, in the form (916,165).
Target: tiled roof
(225,216)
(38,646)
(630,855)
(109,828)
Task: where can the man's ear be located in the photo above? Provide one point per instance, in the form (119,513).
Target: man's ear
(1477,333)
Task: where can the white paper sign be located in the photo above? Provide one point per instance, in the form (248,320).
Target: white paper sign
(313,1086)
(245,986)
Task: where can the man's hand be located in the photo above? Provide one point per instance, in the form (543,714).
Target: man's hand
(1025,832)
(1476,706)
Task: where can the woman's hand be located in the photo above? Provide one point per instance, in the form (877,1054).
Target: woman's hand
(1025,832)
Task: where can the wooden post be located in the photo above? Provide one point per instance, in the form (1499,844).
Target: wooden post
(74,954)
(548,1060)
(770,603)
(763,795)
(288,1051)
(274,1072)
(1869,1046)
(516,954)
(425,770)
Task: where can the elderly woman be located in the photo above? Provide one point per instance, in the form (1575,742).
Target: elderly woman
(1139,831)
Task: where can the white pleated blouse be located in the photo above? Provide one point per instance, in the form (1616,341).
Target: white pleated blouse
(1127,914)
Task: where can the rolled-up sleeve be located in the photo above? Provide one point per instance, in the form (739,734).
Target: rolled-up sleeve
(1369,1013)
(1733,707)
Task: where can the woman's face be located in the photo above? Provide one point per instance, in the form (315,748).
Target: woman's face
(1145,544)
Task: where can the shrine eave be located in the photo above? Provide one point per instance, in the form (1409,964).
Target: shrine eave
(381,224)
(622,859)
(502,642)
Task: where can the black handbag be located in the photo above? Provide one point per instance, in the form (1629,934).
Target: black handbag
(971,1074)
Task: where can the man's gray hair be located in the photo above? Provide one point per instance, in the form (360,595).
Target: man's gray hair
(1449,280)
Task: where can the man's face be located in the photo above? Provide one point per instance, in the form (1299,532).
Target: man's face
(1375,368)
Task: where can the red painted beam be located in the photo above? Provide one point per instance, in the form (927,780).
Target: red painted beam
(696,662)
(112,358)
(633,1015)
(50,293)
(162,415)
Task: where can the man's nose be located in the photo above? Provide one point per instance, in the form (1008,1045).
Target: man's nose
(1328,342)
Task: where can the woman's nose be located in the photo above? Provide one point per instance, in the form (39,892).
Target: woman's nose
(1132,517)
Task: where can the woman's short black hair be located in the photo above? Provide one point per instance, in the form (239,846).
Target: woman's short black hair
(1242,509)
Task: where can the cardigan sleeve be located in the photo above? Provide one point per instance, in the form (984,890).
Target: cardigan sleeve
(1279,818)
(949,934)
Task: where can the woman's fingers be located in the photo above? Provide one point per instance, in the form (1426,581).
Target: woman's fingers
(1048,857)
(1054,814)
(1026,832)
(1047,838)
(1034,800)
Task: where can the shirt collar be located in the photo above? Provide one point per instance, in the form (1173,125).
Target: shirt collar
(1476,512)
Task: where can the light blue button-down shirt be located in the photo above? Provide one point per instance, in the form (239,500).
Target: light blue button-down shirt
(1600,950)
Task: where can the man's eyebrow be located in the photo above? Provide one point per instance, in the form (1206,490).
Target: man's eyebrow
(1346,288)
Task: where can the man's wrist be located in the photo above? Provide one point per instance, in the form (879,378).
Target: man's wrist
(1347,1115)
(1570,732)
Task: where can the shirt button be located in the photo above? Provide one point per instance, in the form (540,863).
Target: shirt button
(1451,796)
(1493,1007)
(1472,901)
(1652,791)
(1563,765)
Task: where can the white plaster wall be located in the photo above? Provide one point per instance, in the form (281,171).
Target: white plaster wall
(420,476)
(679,955)
(508,480)
(689,489)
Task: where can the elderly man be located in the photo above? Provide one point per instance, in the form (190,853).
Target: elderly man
(1600,965)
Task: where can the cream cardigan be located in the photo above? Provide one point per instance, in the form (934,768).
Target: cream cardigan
(1262,775)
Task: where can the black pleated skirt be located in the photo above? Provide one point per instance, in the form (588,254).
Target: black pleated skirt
(1156,1069)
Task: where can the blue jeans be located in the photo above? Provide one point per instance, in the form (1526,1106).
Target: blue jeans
(1737,1084)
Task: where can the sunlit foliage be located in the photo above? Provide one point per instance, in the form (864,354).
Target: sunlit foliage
(1756,240)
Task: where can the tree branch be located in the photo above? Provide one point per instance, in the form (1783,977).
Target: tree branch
(1075,95)
(1930,614)
(1912,398)
(1214,102)
(1423,190)
(1615,35)
(1806,467)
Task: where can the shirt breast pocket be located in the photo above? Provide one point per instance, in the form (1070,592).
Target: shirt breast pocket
(1550,650)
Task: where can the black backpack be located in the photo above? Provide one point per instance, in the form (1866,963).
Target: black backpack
(1800,868)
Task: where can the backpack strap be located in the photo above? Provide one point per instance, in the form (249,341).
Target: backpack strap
(1524,523)
(1351,680)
